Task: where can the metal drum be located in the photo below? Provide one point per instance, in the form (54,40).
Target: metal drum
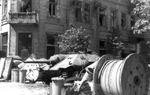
(22,76)
(15,75)
(121,77)
(57,85)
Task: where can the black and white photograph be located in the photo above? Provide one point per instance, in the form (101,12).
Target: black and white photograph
(74,47)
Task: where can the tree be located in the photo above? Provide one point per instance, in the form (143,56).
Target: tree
(74,40)
(114,41)
(140,14)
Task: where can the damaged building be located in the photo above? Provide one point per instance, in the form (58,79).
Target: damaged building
(35,24)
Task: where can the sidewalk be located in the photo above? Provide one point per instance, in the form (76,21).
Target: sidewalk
(7,88)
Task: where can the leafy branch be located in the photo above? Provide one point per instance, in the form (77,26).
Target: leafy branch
(140,14)
(74,40)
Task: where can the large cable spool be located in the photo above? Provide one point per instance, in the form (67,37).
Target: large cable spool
(121,77)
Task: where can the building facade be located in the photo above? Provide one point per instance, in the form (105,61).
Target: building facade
(35,24)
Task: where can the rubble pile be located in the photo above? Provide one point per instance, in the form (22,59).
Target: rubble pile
(64,65)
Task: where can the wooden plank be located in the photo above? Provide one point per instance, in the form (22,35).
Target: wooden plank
(2,64)
(7,69)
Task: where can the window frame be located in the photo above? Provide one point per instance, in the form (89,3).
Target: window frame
(123,20)
(52,9)
(4,42)
(102,11)
(4,8)
(78,9)
(86,13)
(113,18)
(51,43)
(25,6)
(20,44)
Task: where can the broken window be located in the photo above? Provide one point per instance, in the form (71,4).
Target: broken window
(52,7)
(101,16)
(86,15)
(123,20)
(113,18)
(78,11)
(26,5)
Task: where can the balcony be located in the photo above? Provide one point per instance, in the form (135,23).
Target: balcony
(22,18)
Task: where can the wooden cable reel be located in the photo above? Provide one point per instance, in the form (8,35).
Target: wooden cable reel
(121,77)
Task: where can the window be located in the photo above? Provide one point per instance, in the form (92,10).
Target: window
(123,20)
(82,12)
(101,17)
(4,42)
(50,46)
(5,3)
(24,43)
(13,5)
(26,5)
(52,7)
(113,18)
(102,47)
(86,15)
(132,21)
(78,11)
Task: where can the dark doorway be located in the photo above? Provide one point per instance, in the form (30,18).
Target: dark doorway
(24,42)
(50,46)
